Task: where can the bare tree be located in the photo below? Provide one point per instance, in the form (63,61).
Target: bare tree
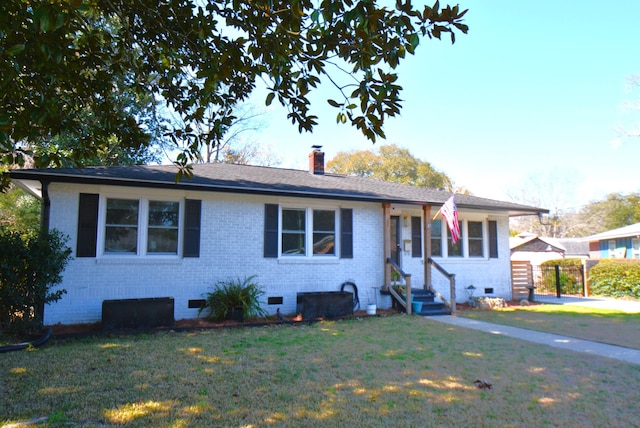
(553,190)
(239,144)
(630,130)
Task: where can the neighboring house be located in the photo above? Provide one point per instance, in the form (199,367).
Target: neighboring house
(537,250)
(137,233)
(616,244)
(575,248)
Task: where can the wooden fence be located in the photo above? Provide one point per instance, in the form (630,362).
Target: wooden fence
(521,278)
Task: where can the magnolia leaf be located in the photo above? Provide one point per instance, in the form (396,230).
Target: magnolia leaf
(15,49)
(269,99)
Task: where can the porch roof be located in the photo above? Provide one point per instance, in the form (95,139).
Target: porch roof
(218,177)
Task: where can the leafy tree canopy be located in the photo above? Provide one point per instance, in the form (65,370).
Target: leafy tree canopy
(616,211)
(66,66)
(391,163)
(19,210)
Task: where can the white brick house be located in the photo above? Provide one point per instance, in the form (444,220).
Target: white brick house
(136,233)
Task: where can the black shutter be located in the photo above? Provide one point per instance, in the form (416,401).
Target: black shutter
(271,230)
(87,225)
(416,237)
(346,233)
(192,218)
(493,239)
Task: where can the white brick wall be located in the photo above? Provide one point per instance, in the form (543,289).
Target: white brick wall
(232,246)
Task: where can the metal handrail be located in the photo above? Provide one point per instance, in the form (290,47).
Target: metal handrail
(452,285)
(407,279)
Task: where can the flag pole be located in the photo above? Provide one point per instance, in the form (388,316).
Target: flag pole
(436,214)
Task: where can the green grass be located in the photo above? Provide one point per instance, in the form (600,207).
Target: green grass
(380,371)
(601,325)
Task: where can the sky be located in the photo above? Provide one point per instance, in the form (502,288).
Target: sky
(536,91)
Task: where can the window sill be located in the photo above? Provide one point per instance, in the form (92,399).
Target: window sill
(138,260)
(308,261)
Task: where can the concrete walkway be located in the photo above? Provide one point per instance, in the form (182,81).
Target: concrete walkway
(594,348)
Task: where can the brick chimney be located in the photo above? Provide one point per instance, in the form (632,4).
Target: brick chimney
(316,161)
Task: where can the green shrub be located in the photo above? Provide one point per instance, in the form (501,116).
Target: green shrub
(234,294)
(570,262)
(570,276)
(615,278)
(30,265)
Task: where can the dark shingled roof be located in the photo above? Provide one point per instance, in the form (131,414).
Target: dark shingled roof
(217,177)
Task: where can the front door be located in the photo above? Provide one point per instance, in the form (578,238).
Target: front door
(395,239)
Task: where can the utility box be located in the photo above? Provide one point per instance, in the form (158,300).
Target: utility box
(325,304)
(138,313)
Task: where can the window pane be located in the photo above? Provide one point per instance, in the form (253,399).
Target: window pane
(163,241)
(293,220)
(324,226)
(121,230)
(455,250)
(436,238)
(162,235)
(324,220)
(475,229)
(163,213)
(121,240)
(476,247)
(293,232)
(122,212)
(293,243)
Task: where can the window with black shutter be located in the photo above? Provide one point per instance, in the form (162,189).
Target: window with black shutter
(346,233)
(192,220)
(416,237)
(271,230)
(493,239)
(87,225)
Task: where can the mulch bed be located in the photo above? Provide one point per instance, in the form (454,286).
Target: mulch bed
(202,323)
(72,330)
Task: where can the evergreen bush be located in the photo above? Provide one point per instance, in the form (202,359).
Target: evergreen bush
(30,266)
(615,278)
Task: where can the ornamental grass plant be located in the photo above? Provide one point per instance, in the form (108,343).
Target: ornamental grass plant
(234,294)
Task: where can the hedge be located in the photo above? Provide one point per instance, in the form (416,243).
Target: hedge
(30,266)
(615,278)
(570,262)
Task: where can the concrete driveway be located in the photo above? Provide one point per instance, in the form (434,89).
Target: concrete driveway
(629,306)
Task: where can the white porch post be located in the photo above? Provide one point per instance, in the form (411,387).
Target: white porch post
(426,233)
(386,212)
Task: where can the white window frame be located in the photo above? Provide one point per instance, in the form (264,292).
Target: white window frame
(143,226)
(485,231)
(308,232)
(464,230)
(612,249)
(635,248)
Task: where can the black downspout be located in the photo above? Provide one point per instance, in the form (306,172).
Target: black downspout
(45,209)
(45,217)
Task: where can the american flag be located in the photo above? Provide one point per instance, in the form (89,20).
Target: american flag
(450,213)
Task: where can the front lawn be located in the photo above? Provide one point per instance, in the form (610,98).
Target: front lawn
(600,325)
(380,371)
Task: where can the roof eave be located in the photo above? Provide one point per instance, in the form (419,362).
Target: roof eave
(27,178)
